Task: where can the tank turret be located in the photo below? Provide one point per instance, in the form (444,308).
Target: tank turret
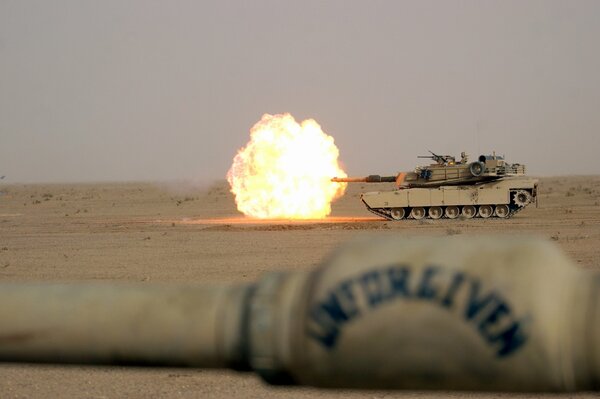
(446,171)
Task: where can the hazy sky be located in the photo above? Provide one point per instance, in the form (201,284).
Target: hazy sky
(129,90)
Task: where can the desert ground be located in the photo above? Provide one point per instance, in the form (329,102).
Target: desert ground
(147,232)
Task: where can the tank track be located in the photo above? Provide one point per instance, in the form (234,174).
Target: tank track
(514,211)
(385,213)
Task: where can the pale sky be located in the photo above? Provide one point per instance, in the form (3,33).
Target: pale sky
(159,90)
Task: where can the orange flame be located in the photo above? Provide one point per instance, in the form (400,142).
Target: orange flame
(285,169)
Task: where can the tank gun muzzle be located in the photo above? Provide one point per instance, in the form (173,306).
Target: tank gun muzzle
(500,314)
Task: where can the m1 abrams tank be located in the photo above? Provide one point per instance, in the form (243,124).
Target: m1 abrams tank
(488,187)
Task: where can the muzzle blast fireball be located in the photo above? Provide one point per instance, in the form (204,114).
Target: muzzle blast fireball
(285,170)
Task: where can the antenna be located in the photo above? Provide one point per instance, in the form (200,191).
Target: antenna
(477,134)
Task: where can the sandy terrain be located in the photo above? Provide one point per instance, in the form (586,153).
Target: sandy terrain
(151,233)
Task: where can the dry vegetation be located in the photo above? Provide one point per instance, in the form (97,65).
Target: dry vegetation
(144,232)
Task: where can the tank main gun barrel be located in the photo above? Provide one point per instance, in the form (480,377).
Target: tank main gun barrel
(367,179)
(500,314)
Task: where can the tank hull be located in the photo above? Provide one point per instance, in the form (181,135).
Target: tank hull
(500,198)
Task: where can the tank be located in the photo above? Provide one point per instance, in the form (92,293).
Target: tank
(489,187)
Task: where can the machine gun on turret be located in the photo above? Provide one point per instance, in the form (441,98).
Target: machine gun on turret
(440,159)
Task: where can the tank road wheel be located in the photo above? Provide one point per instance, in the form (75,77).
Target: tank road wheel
(522,198)
(502,211)
(397,213)
(485,211)
(436,212)
(452,212)
(469,211)
(418,213)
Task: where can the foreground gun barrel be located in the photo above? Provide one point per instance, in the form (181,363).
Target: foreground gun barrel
(468,313)
(119,324)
